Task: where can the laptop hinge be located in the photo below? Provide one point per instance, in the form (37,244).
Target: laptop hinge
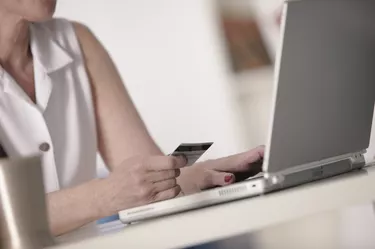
(316,171)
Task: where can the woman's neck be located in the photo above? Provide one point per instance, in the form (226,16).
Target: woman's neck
(14,41)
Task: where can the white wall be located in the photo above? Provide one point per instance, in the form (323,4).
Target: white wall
(170,55)
(255,87)
(255,97)
(266,12)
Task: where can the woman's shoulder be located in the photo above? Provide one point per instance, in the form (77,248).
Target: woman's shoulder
(70,35)
(62,27)
(68,31)
(61,24)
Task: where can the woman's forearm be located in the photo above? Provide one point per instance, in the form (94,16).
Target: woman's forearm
(70,209)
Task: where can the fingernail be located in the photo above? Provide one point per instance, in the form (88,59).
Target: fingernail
(228,178)
(184,157)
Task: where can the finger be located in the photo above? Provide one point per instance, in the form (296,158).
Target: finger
(238,163)
(159,163)
(168,194)
(157,176)
(165,185)
(216,178)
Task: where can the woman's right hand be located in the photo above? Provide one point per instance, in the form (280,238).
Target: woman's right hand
(139,181)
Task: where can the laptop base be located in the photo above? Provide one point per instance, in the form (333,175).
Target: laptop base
(256,186)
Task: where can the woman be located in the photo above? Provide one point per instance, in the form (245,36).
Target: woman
(61,96)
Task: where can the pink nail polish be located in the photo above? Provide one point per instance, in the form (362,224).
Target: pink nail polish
(228,178)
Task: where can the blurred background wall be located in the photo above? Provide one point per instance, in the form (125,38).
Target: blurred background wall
(173,56)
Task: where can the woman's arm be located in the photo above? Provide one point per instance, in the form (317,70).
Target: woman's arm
(121,132)
(69,209)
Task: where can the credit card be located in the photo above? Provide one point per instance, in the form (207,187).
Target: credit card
(192,151)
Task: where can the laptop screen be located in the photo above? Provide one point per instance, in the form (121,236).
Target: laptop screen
(326,82)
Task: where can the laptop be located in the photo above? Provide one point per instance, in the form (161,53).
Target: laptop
(323,104)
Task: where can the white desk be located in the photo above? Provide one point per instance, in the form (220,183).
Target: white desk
(240,217)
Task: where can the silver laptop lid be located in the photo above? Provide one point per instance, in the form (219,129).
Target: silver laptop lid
(325,78)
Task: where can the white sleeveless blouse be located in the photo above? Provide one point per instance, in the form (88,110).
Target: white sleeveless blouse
(61,125)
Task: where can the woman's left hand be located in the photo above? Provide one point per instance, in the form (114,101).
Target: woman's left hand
(219,172)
